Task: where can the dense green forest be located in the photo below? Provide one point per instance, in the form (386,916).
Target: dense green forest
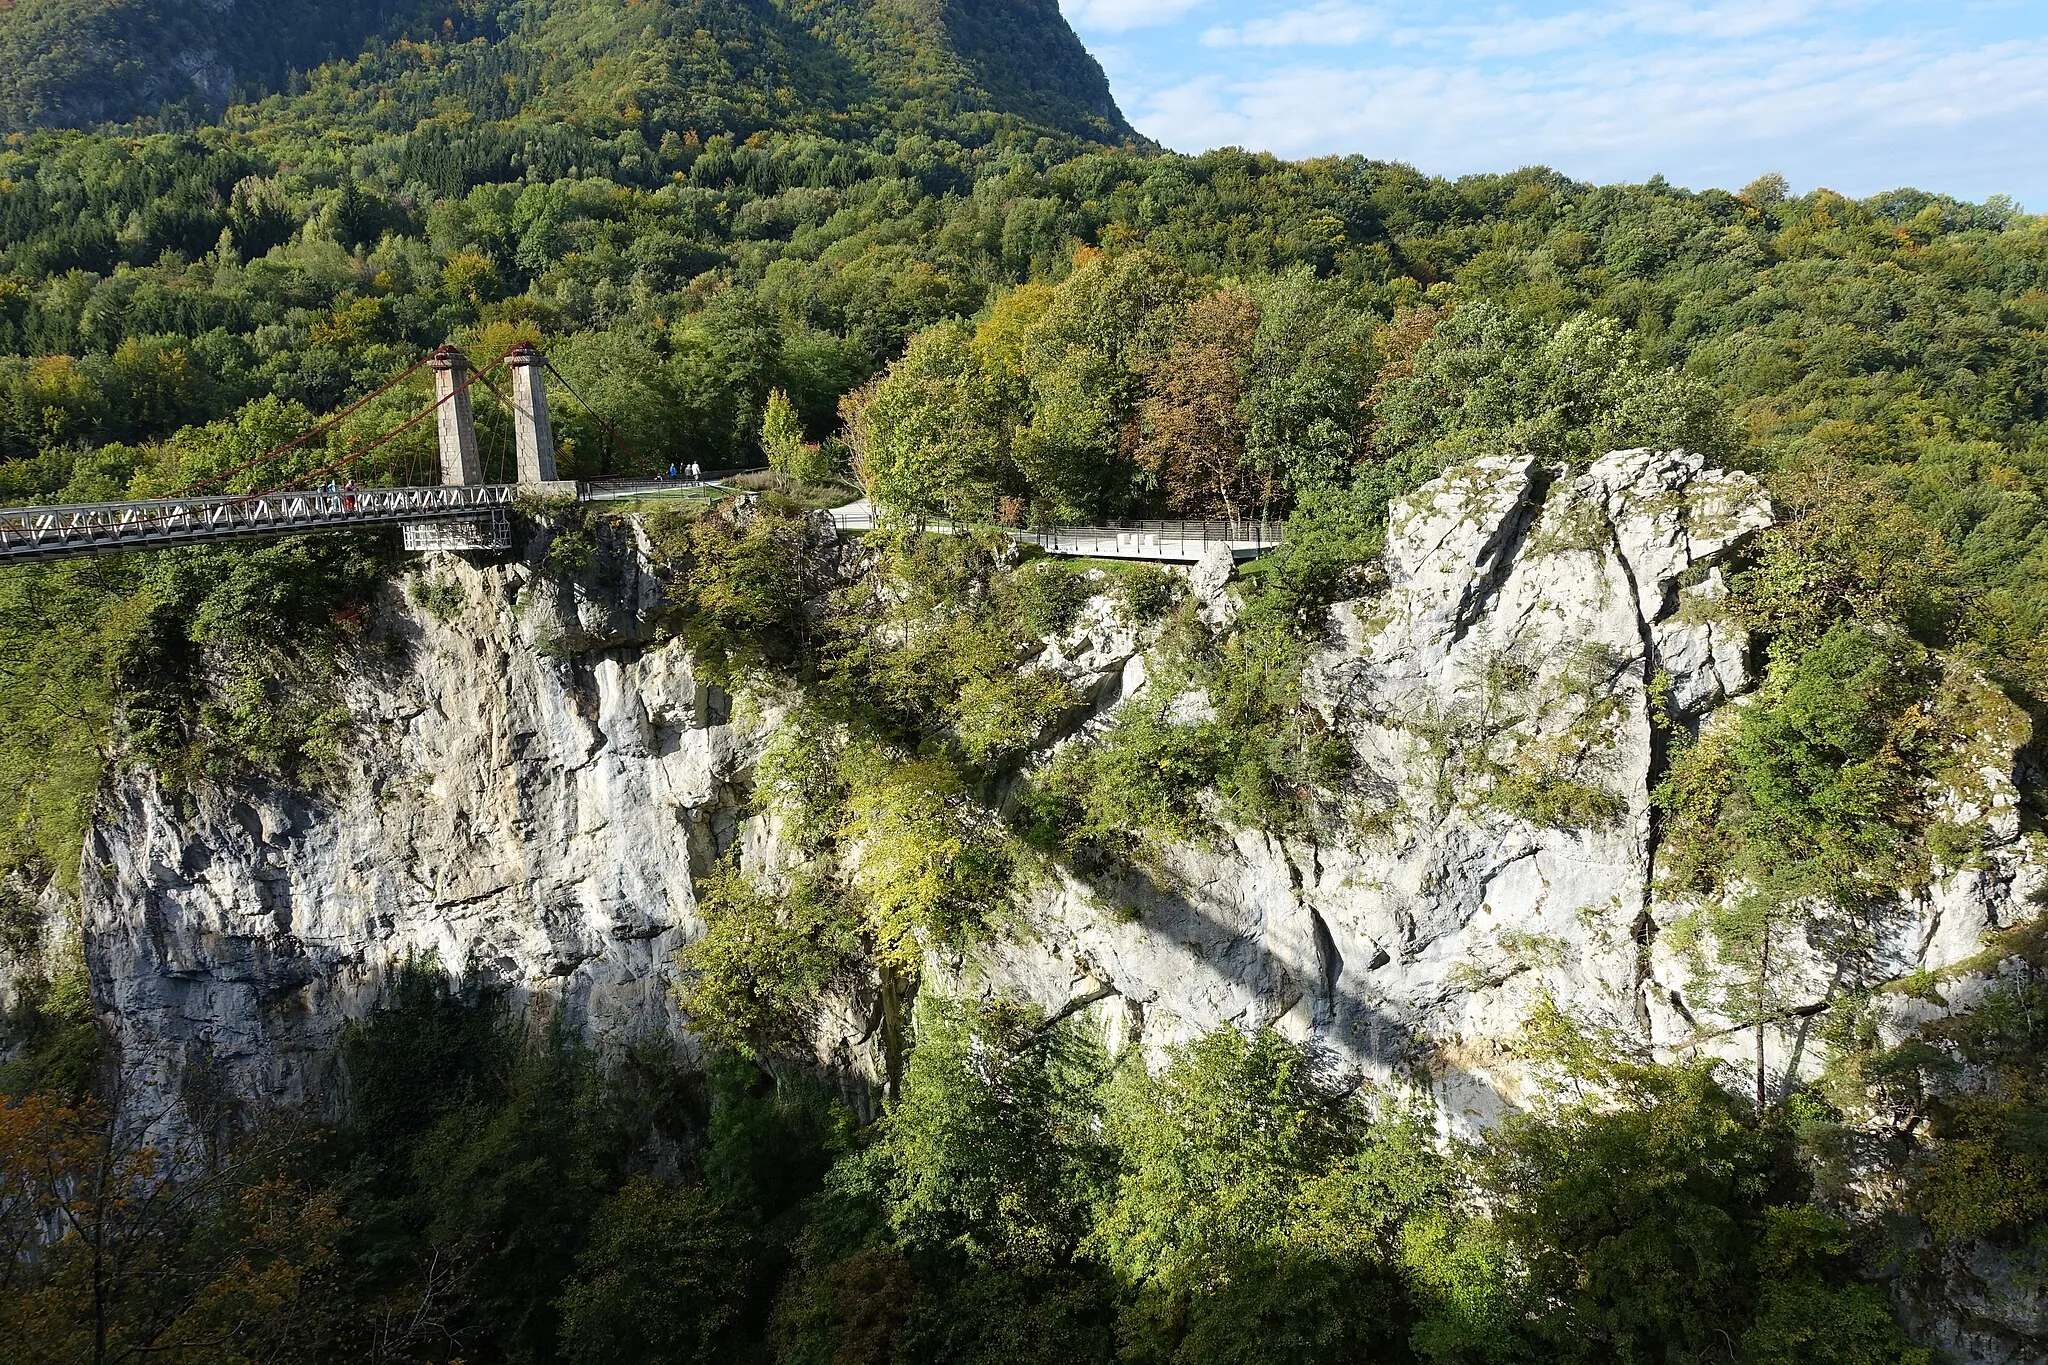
(733,65)
(872,244)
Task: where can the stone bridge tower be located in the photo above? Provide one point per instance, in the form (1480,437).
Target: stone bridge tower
(461,463)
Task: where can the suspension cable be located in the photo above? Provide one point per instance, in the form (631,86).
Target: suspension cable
(502,440)
(363,451)
(293,444)
(610,428)
(359,453)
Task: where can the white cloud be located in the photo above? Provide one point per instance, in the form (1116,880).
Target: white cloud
(1727,20)
(1118,16)
(1508,34)
(1860,114)
(1333,23)
(1198,115)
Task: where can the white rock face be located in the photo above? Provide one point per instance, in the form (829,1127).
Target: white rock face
(536,779)
(1499,700)
(535,819)
(541,818)
(1982,1304)
(1525,621)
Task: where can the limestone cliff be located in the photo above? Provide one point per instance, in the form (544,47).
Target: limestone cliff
(536,776)
(509,807)
(1537,639)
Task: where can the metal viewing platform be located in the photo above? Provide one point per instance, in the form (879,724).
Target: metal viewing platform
(1161,542)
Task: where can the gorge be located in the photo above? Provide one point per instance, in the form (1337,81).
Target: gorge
(1577,897)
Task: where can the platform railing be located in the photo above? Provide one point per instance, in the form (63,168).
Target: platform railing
(1171,540)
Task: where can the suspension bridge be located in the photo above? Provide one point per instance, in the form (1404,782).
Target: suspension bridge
(464,511)
(461,511)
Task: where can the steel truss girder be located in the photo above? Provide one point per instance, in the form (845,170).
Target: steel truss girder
(31,533)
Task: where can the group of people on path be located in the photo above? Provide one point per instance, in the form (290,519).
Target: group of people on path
(693,471)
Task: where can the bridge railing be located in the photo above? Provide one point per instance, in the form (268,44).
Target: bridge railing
(75,528)
(1165,541)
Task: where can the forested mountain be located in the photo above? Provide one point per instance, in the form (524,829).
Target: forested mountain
(730,65)
(909,248)
(72,63)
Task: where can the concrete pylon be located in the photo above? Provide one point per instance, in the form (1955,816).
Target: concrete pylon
(460,463)
(531,433)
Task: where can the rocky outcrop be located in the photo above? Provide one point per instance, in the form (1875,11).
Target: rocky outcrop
(537,775)
(1502,701)
(509,806)
(1507,699)
(1980,1302)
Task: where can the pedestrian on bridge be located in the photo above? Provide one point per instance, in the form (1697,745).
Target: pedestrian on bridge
(348,496)
(333,502)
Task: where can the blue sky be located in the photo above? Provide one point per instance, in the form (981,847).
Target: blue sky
(1856,95)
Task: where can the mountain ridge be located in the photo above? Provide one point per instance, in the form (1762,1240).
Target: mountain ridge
(741,64)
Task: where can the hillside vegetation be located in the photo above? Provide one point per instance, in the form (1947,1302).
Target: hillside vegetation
(721,63)
(868,241)
(70,63)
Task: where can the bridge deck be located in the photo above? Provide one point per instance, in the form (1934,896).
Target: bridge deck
(30,533)
(54,532)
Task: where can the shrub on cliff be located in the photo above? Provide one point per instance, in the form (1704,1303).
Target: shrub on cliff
(741,578)
(754,980)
